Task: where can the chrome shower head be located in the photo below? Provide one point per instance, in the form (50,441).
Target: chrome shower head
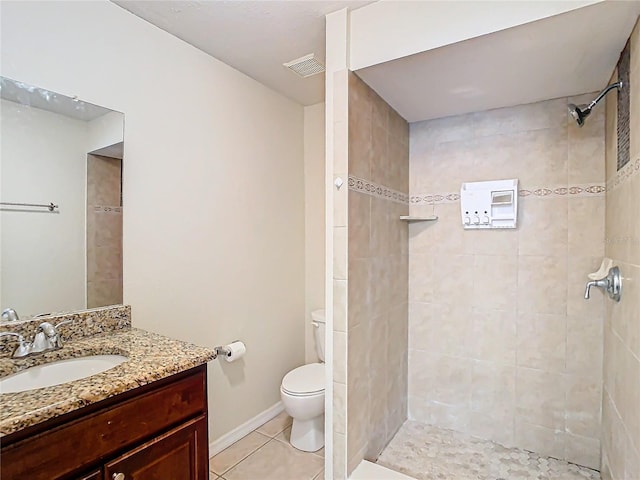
(580,113)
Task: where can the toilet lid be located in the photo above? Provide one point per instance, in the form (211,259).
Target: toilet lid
(304,380)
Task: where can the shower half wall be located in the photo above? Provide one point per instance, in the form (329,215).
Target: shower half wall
(502,344)
(374,394)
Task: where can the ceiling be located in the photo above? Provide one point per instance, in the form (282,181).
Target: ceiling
(558,56)
(563,55)
(255,37)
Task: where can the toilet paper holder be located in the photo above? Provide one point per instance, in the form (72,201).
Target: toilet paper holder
(221,350)
(612,283)
(225,351)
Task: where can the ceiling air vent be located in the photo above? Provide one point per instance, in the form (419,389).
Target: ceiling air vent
(305,66)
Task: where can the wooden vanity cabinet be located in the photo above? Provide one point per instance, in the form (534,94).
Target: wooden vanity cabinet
(158,431)
(97,475)
(171,455)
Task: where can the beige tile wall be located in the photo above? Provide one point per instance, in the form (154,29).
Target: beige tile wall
(104,231)
(621,398)
(501,343)
(340,84)
(376,330)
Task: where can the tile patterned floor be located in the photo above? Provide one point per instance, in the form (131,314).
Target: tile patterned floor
(266,454)
(429,453)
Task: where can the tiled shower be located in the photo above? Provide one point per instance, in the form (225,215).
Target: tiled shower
(487,333)
(502,343)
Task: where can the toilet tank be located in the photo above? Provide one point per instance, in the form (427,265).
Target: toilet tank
(318,322)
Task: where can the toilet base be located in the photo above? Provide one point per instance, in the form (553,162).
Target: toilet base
(308,435)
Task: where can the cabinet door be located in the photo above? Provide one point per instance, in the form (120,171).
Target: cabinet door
(180,454)
(97,475)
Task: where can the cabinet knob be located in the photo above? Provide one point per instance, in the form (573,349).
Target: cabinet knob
(118,476)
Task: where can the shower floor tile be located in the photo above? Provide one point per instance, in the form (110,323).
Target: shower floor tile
(429,453)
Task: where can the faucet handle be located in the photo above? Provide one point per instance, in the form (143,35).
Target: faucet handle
(23,349)
(63,323)
(12,334)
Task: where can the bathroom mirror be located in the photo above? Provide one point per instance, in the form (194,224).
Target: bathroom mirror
(61,202)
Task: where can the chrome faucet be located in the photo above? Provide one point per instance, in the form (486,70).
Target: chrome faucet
(46,338)
(612,284)
(49,335)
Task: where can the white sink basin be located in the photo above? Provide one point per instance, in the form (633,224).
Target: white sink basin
(56,373)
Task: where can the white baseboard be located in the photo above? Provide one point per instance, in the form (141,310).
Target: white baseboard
(246,428)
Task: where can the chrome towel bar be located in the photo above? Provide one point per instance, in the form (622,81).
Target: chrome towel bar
(50,206)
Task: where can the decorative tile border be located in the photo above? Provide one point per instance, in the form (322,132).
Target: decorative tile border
(434,198)
(375,190)
(623,124)
(630,170)
(582,190)
(586,190)
(106,209)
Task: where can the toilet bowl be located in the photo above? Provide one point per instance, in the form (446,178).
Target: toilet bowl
(302,394)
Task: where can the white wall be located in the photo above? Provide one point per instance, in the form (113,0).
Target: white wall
(43,160)
(105,131)
(314,220)
(213,187)
(384,31)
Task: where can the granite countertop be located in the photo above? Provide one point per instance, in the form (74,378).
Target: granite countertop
(151,357)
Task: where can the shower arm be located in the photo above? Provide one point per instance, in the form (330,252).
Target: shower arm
(617,85)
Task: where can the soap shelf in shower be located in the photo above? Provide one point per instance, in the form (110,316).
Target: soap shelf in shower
(413,218)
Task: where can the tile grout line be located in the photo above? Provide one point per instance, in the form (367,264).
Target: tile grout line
(246,456)
(288,443)
(253,451)
(271,439)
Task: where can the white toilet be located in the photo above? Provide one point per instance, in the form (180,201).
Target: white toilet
(302,393)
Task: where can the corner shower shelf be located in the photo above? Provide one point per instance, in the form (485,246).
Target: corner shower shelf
(410,218)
